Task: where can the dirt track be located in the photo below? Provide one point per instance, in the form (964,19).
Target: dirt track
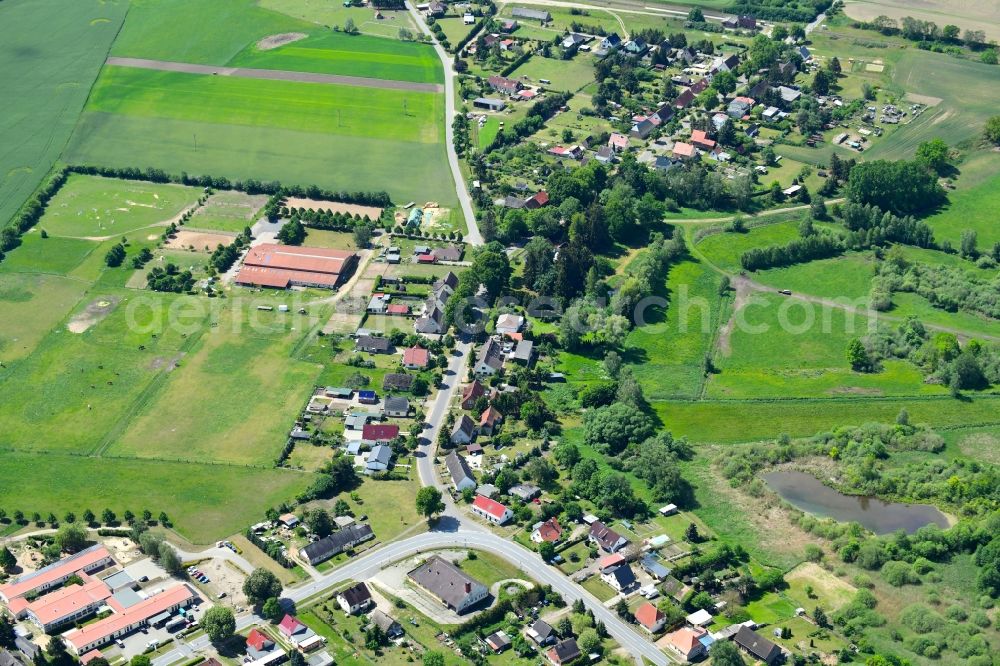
(274,75)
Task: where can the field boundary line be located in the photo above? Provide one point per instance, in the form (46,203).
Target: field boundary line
(274,75)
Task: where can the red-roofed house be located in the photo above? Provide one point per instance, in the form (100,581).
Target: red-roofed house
(426,259)
(650,617)
(700,139)
(489,420)
(537,201)
(685,643)
(416,358)
(549,532)
(397,309)
(293,629)
(609,562)
(379,433)
(471,393)
(491,510)
(618,142)
(259,641)
(684,151)
(90,656)
(573,152)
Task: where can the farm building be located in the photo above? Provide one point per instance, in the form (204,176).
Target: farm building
(283,266)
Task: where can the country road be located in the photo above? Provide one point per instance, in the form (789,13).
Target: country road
(274,74)
(473,237)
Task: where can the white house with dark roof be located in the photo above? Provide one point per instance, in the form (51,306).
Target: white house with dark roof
(459,471)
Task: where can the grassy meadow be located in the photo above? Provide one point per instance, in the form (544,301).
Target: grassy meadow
(330,14)
(353,55)
(46,82)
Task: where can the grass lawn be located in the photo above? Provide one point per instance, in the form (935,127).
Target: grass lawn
(981,444)
(488,569)
(233,398)
(52,52)
(564,74)
(293,132)
(724,249)
(30,306)
(753,420)
(828,591)
(92,206)
(52,255)
(849,276)
(353,55)
(205,502)
(454,28)
(389,505)
(198,31)
(770,608)
(974,205)
(228,210)
(598,588)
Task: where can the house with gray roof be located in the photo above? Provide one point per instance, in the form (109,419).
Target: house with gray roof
(336,543)
(459,471)
(395,406)
(378,459)
(448,584)
(490,358)
(464,430)
(389,626)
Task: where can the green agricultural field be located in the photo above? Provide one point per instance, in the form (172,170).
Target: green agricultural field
(52,52)
(233,398)
(204,502)
(353,55)
(975,204)
(197,31)
(754,420)
(95,207)
(294,132)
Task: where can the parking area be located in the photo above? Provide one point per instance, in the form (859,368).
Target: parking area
(225,583)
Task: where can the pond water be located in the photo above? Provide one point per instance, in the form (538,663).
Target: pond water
(809,494)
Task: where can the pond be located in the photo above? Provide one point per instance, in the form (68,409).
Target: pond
(809,494)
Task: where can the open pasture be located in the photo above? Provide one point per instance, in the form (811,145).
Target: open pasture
(975,204)
(966,14)
(353,55)
(245,128)
(228,211)
(210,408)
(204,501)
(93,207)
(728,421)
(564,74)
(52,255)
(330,14)
(30,306)
(50,54)
(724,249)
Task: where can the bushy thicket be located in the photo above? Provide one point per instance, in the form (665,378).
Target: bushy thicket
(800,250)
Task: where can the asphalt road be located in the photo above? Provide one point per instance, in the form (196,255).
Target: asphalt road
(473,237)
(274,74)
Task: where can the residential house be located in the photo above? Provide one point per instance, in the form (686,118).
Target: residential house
(498,641)
(509,324)
(448,253)
(618,142)
(379,459)
(502,84)
(471,393)
(448,584)
(474,449)
(525,491)
(756,645)
(664,164)
(491,510)
(688,55)
(610,43)
(571,152)
(468,18)
(488,490)
(684,151)
(747,22)
(547,532)
(636,47)
(650,617)
(397,309)
(490,359)
(574,39)
(458,470)
(490,421)
(740,107)
(621,578)
(416,358)
(699,618)
(464,430)
(397,407)
(685,643)
(533,14)
(605,155)
(609,563)
(718,120)
(771,114)
(389,626)
(651,565)
(378,303)
(788,95)
(341,540)
(437,9)
(258,644)
(663,114)
(372,344)
(297,633)
(397,381)
(355,598)
(541,633)
(367,397)
(431,323)
(699,138)
(684,98)
(563,652)
(699,86)
(523,353)
(725,63)
(605,537)
(642,129)
(804,53)
(508,26)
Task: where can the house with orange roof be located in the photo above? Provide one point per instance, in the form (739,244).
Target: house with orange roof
(489,421)
(650,617)
(416,358)
(685,643)
(684,151)
(471,393)
(548,532)
(700,140)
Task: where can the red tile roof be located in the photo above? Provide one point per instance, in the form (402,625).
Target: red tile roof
(648,615)
(701,137)
(104,629)
(416,356)
(379,432)
(272,265)
(490,417)
(289,625)
(257,640)
(473,391)
(610,560)
(398,308)
(492,507)
(90,656)
(550,530)
(541,198)
(683,149)
(62,569)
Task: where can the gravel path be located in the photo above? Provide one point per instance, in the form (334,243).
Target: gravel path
(275,75)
